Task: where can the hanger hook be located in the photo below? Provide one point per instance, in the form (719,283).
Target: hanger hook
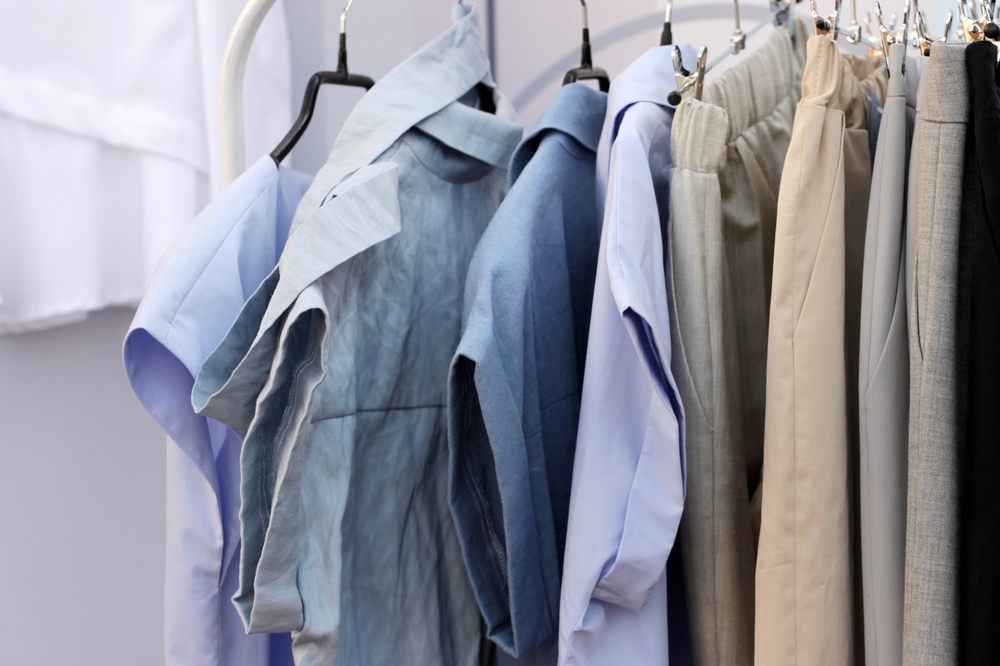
(923,41)
(584,4)
(853,28)
(343,16)
(947,28)
(667,36)
(884,33)
(738,40)
(972,28)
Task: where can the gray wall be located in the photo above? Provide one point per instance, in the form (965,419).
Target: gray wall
(82,502)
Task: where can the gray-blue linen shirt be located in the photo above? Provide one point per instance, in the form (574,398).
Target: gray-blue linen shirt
(338,368)
(514,396)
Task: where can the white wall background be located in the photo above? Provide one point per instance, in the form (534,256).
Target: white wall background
(82,500)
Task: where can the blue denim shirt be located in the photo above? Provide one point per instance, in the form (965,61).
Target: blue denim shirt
(199,287)
(338,367)
(514,396)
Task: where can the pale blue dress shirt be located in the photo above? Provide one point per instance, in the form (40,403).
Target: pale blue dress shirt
(198,289)
(628,475)
(514,396)
(338,368)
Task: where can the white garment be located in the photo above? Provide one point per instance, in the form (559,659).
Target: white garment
(109,142)
(628,471)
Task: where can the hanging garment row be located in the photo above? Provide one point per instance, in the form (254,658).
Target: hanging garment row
(696,372)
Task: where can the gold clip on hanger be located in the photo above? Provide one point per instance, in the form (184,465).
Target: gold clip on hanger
(990,30)
(972,27)
(826,25)
(923,41)
(688,83)
(890,36)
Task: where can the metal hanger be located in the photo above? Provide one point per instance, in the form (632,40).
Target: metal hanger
(737,40)
(826,25)
(921,38)
(947,29)
(986,20)
(586,70)
(688,83)
(341,77)
(890,35)
(853,30)
(973,27)
(667,36)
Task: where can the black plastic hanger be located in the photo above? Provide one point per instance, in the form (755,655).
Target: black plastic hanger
(341,77)
(667,36)
(586,70)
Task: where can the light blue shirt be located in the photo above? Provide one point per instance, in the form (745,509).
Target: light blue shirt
(514,396)
(338,367)
(628,475)
(199,286)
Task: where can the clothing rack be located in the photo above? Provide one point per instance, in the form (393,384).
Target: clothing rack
(234,66)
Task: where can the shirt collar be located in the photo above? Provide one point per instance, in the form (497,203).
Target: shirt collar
(649,79)
(577,111)
(423,91)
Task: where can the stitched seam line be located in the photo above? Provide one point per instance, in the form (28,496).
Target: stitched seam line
(497,557)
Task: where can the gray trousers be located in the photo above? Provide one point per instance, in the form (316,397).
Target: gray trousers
(728,152)
(930,620)
(884,373)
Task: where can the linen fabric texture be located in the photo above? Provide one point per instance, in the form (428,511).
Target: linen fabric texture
(628,471)
(199,287)
(728,152)
(937,345)
(338,368)
(514,387)
(804,605)
(979,582)
(884,372)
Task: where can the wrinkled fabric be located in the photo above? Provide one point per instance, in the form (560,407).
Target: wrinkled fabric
(979,580)
(805,573)
(728,151)
(201,283)
(628,472)
(884,373)
(514,389)
(930,606)
(338,368)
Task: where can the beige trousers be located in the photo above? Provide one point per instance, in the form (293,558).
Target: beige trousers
(805,572)
(728,151)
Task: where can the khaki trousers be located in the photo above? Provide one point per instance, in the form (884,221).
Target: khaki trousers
(728,151)
(805,577)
